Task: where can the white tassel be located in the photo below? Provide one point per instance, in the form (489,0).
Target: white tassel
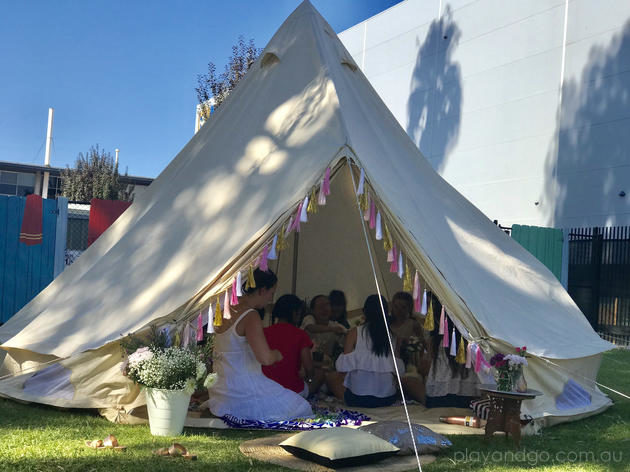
(239,284)
(272,253)
(423,310)
(400,265)
(379,227)
(442,319)
(210,327)
(303,215)
(453,344)
(361,183)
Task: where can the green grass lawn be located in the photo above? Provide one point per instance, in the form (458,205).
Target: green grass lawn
(36,438)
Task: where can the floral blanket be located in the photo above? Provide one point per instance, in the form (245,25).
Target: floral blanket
(322,418)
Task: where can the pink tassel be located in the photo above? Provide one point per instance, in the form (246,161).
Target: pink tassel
(468,356)
(477,359)
(226,306)
(321,198)
(401,269)
(327,182)
(416,305)
(264,265)
(234,299)
(416,287)
(423,309)
(445,320)
(393,268)
(442,320)
(200,327)
(239,287)
(372,214)
(453,344)
(445,339)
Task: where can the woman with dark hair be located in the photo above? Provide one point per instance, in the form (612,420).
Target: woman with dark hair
(338,308)
(367,362)
(240,348)
(295,346)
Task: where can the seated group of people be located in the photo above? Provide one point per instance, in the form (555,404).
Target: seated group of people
(267,373)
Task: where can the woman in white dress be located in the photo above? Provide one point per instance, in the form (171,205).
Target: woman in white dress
(240,349)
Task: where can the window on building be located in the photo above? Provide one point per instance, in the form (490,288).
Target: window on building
(16,183)
(55,186)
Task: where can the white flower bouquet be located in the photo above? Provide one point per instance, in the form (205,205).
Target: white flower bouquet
(172,368)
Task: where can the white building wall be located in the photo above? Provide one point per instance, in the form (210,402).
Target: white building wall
(476,84)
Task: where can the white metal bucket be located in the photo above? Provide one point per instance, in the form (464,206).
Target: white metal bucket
(167,411)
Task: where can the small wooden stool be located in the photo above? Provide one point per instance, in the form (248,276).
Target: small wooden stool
(505,412)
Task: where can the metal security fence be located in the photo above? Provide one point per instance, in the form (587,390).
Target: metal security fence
(77,232)
(599,279)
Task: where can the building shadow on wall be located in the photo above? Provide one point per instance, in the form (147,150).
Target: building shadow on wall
(435,99)
(583,185)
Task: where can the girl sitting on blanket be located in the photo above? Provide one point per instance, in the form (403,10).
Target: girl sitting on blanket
(365,371)
(295,346)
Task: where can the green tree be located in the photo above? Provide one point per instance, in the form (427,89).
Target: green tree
(218,87)
(95,175)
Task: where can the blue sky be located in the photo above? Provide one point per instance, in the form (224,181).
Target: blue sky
(122,74)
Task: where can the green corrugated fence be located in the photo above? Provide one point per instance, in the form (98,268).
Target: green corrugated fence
(544,243)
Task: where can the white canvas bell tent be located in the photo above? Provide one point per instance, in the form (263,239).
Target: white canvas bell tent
(302,108)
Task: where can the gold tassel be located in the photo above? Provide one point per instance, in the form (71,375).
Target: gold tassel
(364,201)
(461,352)
(312,202)
(429,321)
(251,282)
(281,243)
(177,338)
(387,240)
(218,316)
(407,282)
